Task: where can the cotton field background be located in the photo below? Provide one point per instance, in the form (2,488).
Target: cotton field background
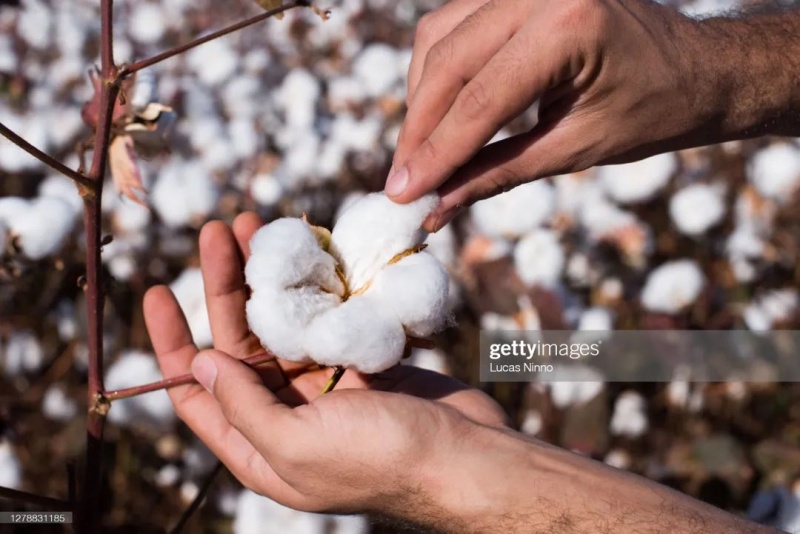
(300,117)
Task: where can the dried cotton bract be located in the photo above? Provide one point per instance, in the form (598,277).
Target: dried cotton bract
(349,297)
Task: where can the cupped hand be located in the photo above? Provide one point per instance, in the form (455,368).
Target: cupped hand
(358,448)
(615,81)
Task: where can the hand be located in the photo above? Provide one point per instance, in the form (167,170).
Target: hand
(614,80)
(368,445)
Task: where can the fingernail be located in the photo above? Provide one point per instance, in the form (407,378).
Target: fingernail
(205,371)
(397,182)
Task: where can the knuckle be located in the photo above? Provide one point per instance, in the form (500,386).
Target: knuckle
(474,100)
(426,28)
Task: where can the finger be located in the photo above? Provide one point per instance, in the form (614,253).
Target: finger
(501,166)
(432,28)
(254,410)
(226,295)
(244,226)
(450,65)
(509,84)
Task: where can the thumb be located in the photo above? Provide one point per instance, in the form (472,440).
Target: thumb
(245,402)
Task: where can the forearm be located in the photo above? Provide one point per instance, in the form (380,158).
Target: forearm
(752,61)
(499,481)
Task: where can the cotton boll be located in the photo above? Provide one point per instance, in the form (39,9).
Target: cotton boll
(775,171)
(298,97)
(184,194)
(532,424)
(373,231)
(256,514)
(672,286)
(266,190)
(696,208)
(581,385)
(167,476)
(214,62)
(516,212)
(56,405)
(130,217)
(147,23)
(23,354)
(350,524)
(743,247)
(8,59)
(347,202)
(772,308)
(629,418)
(189,291)
(35,24)
(43,228)
(10,467)
(638,181)
(415,289)
(442,245)
(344,91)
(539,259)
(134,368)
(358,334)
(61,187)
(618,458)
(377,68)
(594,324)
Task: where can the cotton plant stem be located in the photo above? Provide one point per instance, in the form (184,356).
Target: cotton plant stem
(182,380)
(198,500)
(144,63)
(46,503)
(89,509)
(80,179)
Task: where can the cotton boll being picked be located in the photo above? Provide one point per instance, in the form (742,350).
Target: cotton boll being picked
(516,212)
(639,181)
(672,287)
(134,368)
(629,418)
(696,208)
(539,259)
(775,171)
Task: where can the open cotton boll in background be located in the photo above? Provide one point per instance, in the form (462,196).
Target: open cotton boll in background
(10,467)
(184,193)
(43,228)
(775,171)
(57,406)
(771,308)
(63,188)
(190,293)
(672,286)
(696,208)
(378,68)
(256,515)
(629,418)
(744,248)
(23,353)
(539,258)
(134,368)
(639,181)
(374,230)
(580,384)
(430,359)
(516,212)
(214,62)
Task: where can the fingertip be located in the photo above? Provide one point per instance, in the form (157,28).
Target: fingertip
(210,232)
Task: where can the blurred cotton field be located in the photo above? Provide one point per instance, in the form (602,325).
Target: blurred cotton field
(300,117)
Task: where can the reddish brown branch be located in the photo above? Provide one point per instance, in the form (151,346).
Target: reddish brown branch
(175,381)
(198,500)
(46,503)
(144,63)
(50,161)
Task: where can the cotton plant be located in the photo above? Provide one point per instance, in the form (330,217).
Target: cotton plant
(672,287)
(348,298)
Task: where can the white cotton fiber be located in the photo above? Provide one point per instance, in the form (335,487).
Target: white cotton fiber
(374,230)
(190,293)
(256,514)
(415,289)
(56,405)
(134,368)
(357,334)
(516,212)
(630,415)
(23,353)
(696,208)
(539,258)
(638,181)
(10,467)
(672,286)
(42,229)
(775,171)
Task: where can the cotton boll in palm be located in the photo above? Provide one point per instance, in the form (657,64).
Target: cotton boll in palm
(373,231)
(629,418)
(638,181)
(189,291)
(672,287)
(256,514)
(377,68)
(10,466)
(775,171)
(56,405)
(696,208)
(23,354)
(539,258)
(147,22)
(134,368)
(515,212)
(359,334)
(415,289)
(214,62)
